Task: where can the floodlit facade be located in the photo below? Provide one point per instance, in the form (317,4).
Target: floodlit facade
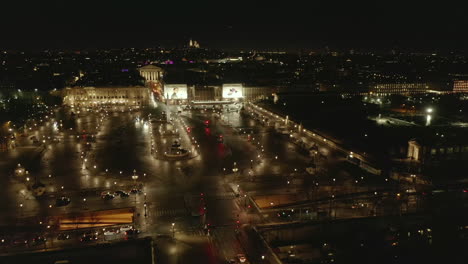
(460,86)
(429,152)
(151,73)
(399,88)
(91,96)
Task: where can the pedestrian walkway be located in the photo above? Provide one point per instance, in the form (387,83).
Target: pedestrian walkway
(169,212)
(225,195)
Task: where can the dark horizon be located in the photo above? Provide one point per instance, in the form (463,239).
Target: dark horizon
(115,24)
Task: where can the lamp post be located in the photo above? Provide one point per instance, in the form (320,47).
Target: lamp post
(235,169)
(173,230)
(134,177)
(145,205)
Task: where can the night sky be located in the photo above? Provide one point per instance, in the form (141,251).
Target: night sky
(233,24)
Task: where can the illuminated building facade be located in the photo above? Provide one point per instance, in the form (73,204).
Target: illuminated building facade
(399,88)
(460,86)
(91,96)
(431,151)
(153,76)
(151,73)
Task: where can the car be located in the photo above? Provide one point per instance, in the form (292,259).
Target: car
(19,242)
(242,258)
(63,236)
(108,196)
(135,191)
(286,213)
(111,232)
(132,232)
(62,201)
(118,192)
(88,237)
(125,228)
(124,194)
(37,240)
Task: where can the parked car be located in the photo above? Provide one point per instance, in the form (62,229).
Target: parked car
(62,201)
(37,240)
(135,191)
(242,258)
(88,237)
(122,194)
(108,196)
(111,232)
(63,236)
(125,228)
(132,232)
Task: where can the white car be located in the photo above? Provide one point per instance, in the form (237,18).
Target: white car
(241,258)
(111,232)
(125,228)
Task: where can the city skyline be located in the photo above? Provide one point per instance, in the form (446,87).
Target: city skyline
(233,132)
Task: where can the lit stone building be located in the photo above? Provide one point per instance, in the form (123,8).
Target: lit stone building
(153,76)
(460,86)
(151,73)
(258,92)
(89,96)
(429,151)
(399,88)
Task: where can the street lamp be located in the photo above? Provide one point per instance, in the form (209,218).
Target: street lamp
(235,169)
(173,230)
(134,177)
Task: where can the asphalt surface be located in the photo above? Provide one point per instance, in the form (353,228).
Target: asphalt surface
(100,151)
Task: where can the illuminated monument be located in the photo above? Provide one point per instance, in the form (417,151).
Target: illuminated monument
(153,76)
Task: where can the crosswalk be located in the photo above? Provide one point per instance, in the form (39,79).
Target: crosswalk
(196,232)
(169,212)
(225,195)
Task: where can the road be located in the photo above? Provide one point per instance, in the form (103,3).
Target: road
(101,149)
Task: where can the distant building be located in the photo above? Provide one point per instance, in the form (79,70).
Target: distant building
(430,151)
(194,44)
(153,76)
(258,92)
(399,88)
(151,73)
(460,86)
(410,88)
(92,96)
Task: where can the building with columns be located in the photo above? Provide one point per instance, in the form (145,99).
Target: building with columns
(153,76)
(151,73)
(94,96)
(428,151)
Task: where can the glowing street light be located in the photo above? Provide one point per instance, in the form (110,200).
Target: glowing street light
(235,169)
(173,230)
